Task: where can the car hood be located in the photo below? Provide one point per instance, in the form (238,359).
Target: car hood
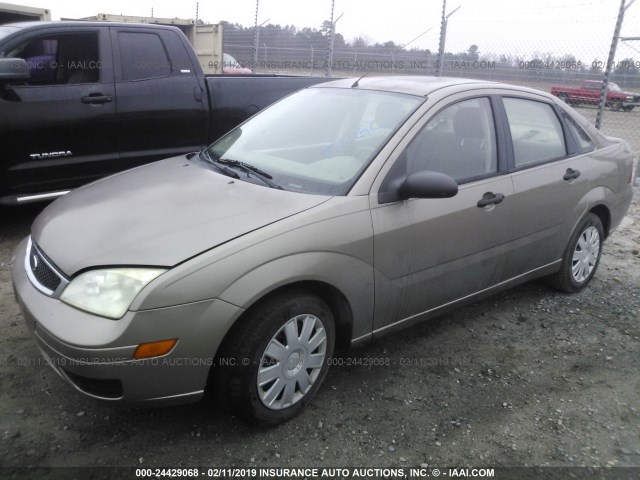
(157,215)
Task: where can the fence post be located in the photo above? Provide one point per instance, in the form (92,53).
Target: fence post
(332,27)
(255,38)
(443,34)
(609,66)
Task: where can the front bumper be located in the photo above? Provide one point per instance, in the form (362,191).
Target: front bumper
(95,354)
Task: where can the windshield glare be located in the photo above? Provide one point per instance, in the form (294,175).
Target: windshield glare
(614,87)
(318,140)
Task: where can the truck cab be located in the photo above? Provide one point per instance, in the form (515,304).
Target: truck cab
(96,95)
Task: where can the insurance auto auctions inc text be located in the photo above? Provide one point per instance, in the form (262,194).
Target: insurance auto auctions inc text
(348,473)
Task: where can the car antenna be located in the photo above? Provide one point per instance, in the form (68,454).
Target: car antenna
(355,84)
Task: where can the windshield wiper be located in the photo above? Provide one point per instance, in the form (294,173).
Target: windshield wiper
(226,171)
(261,174)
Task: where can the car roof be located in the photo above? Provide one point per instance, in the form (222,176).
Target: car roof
(82,23)
(420,85)
(410,84)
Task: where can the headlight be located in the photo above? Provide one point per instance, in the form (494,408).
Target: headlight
(108,292)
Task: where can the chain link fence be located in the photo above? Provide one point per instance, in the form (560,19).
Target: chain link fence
(535,43)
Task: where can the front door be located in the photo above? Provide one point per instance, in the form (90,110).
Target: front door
(431,252)
(63,117)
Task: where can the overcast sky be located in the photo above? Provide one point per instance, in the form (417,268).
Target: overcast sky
(518,27)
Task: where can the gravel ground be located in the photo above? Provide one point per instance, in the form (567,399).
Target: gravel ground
(530,377)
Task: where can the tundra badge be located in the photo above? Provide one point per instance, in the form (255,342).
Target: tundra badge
(42,156)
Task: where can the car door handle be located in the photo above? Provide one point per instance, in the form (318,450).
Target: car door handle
(490,198)
(571,174)
(96,98)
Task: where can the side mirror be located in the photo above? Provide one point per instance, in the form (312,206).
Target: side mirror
(426,184)
(12,69)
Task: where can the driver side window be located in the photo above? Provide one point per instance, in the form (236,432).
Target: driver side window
(61,58)
(459,141)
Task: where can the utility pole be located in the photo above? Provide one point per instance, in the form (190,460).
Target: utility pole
(443,37)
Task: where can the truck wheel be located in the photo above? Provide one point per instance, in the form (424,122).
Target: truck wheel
(564,98)
(275,362)
(617,106)
(581,257)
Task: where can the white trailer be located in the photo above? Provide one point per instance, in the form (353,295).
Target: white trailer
(10,13)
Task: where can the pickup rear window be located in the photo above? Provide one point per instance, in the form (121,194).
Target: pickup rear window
(143,56)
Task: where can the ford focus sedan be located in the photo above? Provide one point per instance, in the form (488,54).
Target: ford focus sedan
(339,214)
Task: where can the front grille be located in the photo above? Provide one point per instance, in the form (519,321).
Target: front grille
(41,272)
(45,275)
(98,387)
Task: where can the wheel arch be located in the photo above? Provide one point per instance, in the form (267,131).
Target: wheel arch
(332,296)
(343,282)
(604,214)
(600,201)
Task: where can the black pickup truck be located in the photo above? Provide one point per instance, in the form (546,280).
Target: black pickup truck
(79,101)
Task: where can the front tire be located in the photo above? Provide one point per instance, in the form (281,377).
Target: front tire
(274,362)
(581,257)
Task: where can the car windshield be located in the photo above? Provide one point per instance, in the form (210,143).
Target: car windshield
(318,140)
(614,87)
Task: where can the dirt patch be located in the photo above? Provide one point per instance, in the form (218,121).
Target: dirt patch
(528,377)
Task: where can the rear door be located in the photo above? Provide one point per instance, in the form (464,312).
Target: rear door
(549,181)
(57,130)
(162,108)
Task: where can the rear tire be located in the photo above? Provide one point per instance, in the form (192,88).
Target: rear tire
(274,362)
(581,257)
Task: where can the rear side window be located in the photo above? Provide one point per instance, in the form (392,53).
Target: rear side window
(536,131)
(143,56)
(585,144)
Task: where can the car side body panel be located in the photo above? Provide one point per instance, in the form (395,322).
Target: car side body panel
(610,171)
(551,206)
(335,248)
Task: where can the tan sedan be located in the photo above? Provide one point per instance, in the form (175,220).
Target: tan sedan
(339,214)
